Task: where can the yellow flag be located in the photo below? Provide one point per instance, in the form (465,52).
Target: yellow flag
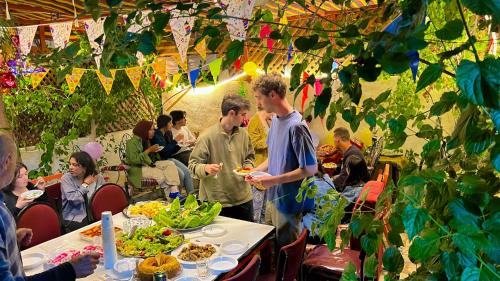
(134,74)
(201,48)
(107,82)
(183,65)
(37,77)
(73,79)
(160,67)
(284,20)
(176,79)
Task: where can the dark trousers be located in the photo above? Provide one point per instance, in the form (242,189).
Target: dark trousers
(183,157)
(240,212)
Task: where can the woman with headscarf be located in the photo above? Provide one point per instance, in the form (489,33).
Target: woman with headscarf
(141,166)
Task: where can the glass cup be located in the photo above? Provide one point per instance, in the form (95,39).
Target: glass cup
(202,268)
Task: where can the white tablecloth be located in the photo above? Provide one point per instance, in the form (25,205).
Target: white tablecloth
(252,233)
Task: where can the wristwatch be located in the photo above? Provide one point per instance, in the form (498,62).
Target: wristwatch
(85,184)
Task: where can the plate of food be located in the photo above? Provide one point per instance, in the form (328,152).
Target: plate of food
(242,171)
(148,209)
(32,194)
(95,231)
(329,165)
(159,263)
(190,253)
(190,216)
(148,242)
(326,150)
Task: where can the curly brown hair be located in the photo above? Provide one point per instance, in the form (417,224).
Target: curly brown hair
(267,83)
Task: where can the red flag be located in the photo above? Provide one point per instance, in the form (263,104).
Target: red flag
(237,64)
(304,90)
(265,31)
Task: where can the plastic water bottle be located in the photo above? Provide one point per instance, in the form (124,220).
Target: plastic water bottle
(108,240)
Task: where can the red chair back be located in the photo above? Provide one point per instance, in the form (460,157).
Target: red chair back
(42,219)
(250,272)
(290,258)
(55,195)
(108,197)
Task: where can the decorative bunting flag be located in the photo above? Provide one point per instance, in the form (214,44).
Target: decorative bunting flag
(290,51)
(74,79)
(183,65)
(160,67)
(270,43)
(237,64)
(26,35)
(305,90)
(134,74)
(107,82)
(176,78)
(201,48)
(95,30)
(193,75)
(215,68)
(283,21)
(265,31)
(318,87)
(61,33)
(335,66)
(181,23)
(37,77)
(414,60)
(236,10)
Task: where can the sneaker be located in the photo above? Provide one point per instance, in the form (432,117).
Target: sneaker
(174,195)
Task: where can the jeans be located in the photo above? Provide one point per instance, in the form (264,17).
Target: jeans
(184,175)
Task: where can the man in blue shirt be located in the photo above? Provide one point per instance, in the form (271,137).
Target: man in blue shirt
(291,158)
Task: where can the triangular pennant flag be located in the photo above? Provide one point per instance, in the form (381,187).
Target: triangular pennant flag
(245,53)
(237,64)
(61,33)
(193,75)
(284,19)
(134,74)
(181,23)
(238,12)
(95,30)
(289,54)
(160,67)
(304,91)
(215,68)
(37,77)
(414,60)
(183,65)
(318,87)
(73,79)
(107,82)
(270,43)
(201,48)
(265,31)
(26,35)
(176,78)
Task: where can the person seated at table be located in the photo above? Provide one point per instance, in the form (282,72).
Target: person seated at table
(163,137)
(137,153)
(353,171)
(12,193)
(77,187)
(11,266)
(220,149)
(183,135)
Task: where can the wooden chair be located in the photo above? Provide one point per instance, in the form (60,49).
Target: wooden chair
(42,219)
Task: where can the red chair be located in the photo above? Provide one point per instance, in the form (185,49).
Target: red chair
(55,196)
(250,272)
(42,219)
(108,197)
(289,260)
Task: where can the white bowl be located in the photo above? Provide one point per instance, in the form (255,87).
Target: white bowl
(233,247)
(214,230)
(124,268)
(222,264)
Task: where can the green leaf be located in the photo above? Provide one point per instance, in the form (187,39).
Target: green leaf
(295,75)
(382,97)
(359,224)
(495,156)
(495,117)
(484,7)
(450,264)
(326,66)
(349,31)
(397,141)
(234,51)
(478,141)
(423,248)
(395,238)
(398,126)
(160,21)
(393,260)
(470,274)
(330,121)
(429,76)
(146,43)
(395,63)
(370,266)
(214,12)
(428,132)
(452,30)
(304,43)
(479,82)
(92,6)
(214,43)
(112,3)
(275,35)
(445,104)
(369,69)
(464,243)
(349,273)
(462,216)
(414,220)
(267,60)
(369,243)
(371,119)
(322,102)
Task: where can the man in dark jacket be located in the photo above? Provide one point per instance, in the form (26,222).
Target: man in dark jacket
(163,137)
(11,268)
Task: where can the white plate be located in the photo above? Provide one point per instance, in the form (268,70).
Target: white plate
(33,260)
(32,194)
(188,278)
(222,264)
(259,174)
(214,230)
(191,264)
(233,247)
(240,173)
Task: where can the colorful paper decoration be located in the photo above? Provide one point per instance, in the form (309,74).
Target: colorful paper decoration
(183,65)
(269,44)
(414,60)
(73,79)
(250,68)
(26,35)
(181,23)
(61,33)
(201,48)
(290,51)
(37,77)
(134,74)
(160,67)
(237,10)
(318,87)
(305,91)
(176,78)
(237,64)
(214,67)
(265,31)
(107,82)
(193,75)
(284,19)
(95,30)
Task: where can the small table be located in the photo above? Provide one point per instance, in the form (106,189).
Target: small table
(252,233)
